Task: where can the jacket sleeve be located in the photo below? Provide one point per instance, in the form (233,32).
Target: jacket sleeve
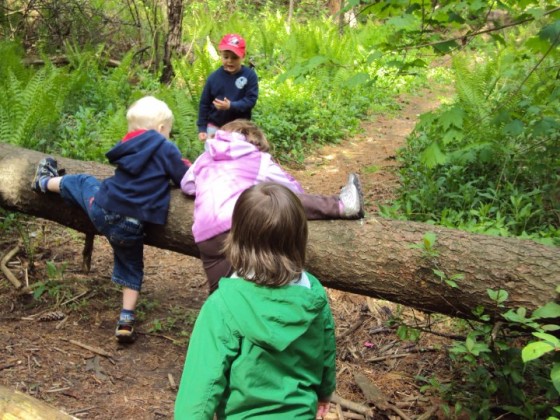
(212,348)
(249,101)
(188,185)
(176,165)
(272,172)
(328,384)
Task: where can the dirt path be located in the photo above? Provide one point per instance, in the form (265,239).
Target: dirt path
(50,360)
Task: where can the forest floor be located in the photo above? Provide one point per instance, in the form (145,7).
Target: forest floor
(75,364)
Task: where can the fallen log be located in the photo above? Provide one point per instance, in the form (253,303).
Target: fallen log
(17,405)
(372,257)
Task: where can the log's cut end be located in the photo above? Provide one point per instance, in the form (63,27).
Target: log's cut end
(15,405)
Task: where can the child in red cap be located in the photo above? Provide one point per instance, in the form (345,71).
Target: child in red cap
(230,92)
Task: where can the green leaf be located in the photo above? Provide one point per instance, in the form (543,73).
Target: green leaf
(445,47)
(514,128)
(555,376)
(452,117)
(550,310)
(548,338)
(551,33)
(535,350)
(433,156)
(452,135)
(499,296)
(429,240)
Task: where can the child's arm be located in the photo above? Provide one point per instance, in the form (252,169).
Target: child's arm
(176,164)
(272,172)
(188,185)
(328,384)
(212,349)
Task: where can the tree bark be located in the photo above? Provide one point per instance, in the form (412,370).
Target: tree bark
(173,40)
(17,405)
(371,257)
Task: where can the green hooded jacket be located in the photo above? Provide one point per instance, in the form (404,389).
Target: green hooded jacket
(259,352)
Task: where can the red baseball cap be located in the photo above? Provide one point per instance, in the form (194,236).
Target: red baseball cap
(234,43)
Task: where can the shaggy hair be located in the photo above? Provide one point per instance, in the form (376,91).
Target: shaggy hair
(149,113)
(268,237)
(252,133)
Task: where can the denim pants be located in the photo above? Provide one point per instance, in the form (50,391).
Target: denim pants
(125,234)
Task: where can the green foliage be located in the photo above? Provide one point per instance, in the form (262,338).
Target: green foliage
(29,106)
(483,163)
(500,371)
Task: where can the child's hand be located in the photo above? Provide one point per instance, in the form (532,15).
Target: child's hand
(222,105)
(322,409)
(202,136)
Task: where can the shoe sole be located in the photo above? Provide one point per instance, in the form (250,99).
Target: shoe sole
(35,183)
(358,185)
(126,338)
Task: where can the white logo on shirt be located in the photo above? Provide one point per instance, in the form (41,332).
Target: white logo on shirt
(241,82)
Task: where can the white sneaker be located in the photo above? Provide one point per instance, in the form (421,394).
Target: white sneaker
(352,198)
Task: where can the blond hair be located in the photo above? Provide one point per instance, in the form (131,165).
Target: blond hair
(253,134)
(149,113)
(268,237)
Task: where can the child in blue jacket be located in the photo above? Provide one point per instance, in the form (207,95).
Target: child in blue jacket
(230,92)
(120,206)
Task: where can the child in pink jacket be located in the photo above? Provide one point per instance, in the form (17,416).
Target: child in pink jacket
(234,160)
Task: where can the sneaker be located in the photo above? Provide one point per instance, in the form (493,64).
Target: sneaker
(125,333)
(352,198)
(47,168)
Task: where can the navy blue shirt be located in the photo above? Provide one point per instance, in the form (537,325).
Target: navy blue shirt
(140,186)
(242,90)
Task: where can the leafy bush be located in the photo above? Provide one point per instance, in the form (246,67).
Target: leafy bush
(484,162)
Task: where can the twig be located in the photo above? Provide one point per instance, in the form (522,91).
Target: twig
(87,251)
(81,410)
(399,355)
(339,412)
(428,414)
(6,270)
(171,381)
(375,396)
(96,350)
(157,335)
(353,416)
(353,327)
(351,405)
(7,366)
(74,298)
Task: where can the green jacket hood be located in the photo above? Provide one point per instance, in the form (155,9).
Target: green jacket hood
(272,317)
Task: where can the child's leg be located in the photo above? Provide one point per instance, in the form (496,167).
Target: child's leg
(130,298)
(214,261)
(349,204)
(126,236)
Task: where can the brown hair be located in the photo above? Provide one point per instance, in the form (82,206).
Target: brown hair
(252,133)
(268,237)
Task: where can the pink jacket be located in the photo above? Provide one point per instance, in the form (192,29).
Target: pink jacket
(217,178)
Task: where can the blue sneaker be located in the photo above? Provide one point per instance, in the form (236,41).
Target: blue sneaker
(47,168)
(125,333)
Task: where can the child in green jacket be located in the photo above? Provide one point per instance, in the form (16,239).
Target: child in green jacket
(263,345)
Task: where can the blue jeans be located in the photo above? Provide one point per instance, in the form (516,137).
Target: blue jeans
(125,234)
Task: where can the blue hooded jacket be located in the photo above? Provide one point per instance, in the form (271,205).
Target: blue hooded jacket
(140,186)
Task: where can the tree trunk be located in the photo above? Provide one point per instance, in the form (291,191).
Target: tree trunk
(173,41)
(17,405)
(371,257)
